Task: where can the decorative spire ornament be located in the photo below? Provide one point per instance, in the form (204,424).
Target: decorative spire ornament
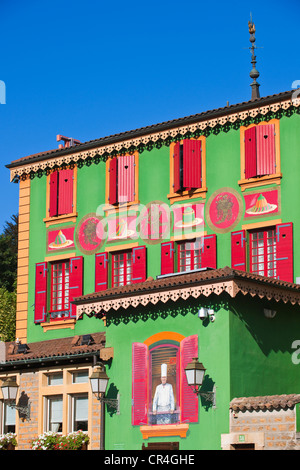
(254,74)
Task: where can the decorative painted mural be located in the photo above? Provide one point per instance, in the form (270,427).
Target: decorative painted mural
(157,221)
(224,210)
(262,203)
(60,239)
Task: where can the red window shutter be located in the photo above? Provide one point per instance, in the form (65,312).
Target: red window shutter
(101,271)
(192,164)
(250,153)
(189,403)
(53,200)
(65,192)
(177,185)
(209,251)
(75,282)
(265,142)
(238,250)
(139,383)
(113,175)
(40,303)
(139,264)
(126,178)
(284,252)
(167,258)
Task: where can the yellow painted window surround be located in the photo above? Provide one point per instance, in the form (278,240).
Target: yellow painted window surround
(66,217)
(262,180)
(196,193)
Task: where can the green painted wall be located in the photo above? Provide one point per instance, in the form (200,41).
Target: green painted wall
(244,353)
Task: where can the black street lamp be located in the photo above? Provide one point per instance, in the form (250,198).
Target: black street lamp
(99,381)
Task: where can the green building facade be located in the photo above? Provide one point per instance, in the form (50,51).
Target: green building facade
(174,241)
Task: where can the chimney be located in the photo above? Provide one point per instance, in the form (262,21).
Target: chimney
(67,141)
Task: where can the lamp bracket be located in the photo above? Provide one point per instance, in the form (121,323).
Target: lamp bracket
(112,402)
(24,410)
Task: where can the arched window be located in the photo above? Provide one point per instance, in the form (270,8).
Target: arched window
(163,355)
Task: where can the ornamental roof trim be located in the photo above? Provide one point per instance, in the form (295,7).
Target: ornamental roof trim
(196,124)
(202,282)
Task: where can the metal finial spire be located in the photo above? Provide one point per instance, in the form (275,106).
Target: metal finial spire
(254,74)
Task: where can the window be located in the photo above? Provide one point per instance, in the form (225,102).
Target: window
(8,421)
(122,180)
(61,192)
(55,379)
(266,251)
(54,413)
(260,154)
(80,412)
(122,268)
(67,399)
(127,267)
(187,169)
(60,289)
(189,254)
(263,252)
(81,376)
(156,363)
(65,283)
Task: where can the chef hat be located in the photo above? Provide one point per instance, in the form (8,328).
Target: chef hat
(163,370)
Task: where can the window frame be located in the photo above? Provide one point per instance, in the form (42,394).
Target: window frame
(125,267)
(265,254)
(188,194)
(274,178)
(60,312)
(179,246)
(66,390)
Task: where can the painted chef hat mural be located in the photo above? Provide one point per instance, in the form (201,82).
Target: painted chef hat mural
(163,370)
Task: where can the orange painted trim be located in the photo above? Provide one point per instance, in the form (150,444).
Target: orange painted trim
(184,195)
(124,206)
(163,336)
(262,224)
(263,180)
(164,430)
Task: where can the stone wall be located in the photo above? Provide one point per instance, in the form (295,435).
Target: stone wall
(273,429)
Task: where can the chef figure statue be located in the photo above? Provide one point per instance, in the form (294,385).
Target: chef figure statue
(163,402)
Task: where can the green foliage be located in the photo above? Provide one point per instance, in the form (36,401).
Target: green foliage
(7,314)
(9,254)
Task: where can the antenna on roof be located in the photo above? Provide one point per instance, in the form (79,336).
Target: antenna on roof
(254,74)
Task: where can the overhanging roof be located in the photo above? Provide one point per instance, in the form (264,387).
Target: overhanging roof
(153,133)
(202,282)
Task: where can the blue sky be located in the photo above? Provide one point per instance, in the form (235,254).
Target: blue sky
(91,69)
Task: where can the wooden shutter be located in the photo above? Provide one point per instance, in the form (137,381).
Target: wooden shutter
(209,251)
(40,303)
(101,271)
(192,164)
(250,153)
(176,158)
(75,282)
(113,178)
(53,194)
(65,192)
(139,383)
(265,144)
(167,258)
(189,399)
(238,250)
(139,264)
(126,178)
(284,252)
